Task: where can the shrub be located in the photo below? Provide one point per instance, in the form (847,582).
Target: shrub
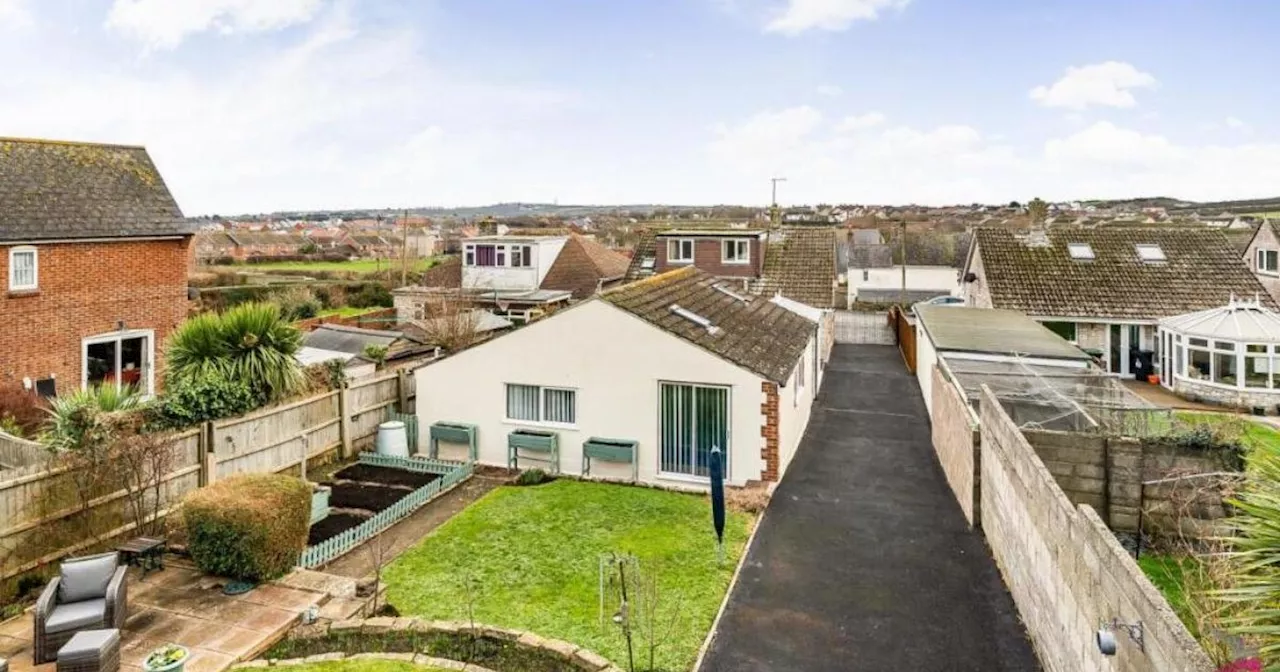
(22,412)
(371,295)
(86,417)
(250,527)
(532,477)
(253,343)
(209,396)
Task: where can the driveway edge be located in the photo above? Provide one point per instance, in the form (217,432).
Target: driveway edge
(724,603)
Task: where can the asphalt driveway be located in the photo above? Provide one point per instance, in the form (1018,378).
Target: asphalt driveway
(863,560)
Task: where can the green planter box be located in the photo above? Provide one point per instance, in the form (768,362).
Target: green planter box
(452,432)
(545,444)
(610,450)
(320,503)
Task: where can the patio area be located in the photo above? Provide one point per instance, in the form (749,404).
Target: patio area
(1161,396)
(180,605)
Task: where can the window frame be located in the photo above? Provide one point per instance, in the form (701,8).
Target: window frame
(737,245)
(1154,254)
(1261,261)
(1081,252)
(118,338)
(542,406)
(677,244)
(35,268)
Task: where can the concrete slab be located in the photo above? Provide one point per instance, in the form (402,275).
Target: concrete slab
(863,560)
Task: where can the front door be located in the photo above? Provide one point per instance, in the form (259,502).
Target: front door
(1123,342)
(693,419)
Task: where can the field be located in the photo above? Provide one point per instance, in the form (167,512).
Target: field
(529,558)
(347,311)
(362,266)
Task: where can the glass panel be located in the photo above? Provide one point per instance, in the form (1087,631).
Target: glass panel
(100,362)
(485,255)
(1224,345)
(1116,359)
(1253,347)
(677,429)
(1257,370)
(522,402)
(559,406)
(1224,368)
(1203,343)
(133,352)
(24,269)
(1067,330)
(1178,364)
(712,428)
(1199,363)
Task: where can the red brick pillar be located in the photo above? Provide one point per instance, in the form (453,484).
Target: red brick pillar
(769,430)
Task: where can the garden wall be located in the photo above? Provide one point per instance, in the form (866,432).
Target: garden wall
(1065,569)
(33,532)
(956,443)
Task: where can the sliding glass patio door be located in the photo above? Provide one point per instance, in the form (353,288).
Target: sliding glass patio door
(692,420)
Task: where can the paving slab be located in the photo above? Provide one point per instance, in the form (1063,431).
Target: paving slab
(864,561)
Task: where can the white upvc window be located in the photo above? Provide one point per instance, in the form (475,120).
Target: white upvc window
(799,380)
(119,359)
(1269,262)
(680,250)
(24,269)
(736,251)
(542,405)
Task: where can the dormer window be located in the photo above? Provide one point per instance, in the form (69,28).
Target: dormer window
(737,251)
(680,250)
(1080,251)
(1150,253)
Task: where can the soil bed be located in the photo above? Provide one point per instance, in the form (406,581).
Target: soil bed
(494,654)
(370,474)
(332,526)
(373,498)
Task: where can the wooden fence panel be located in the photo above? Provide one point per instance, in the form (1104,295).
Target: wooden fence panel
(16,453)
(272,440)
(368,401)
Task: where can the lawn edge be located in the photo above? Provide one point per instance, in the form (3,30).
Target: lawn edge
(724,602)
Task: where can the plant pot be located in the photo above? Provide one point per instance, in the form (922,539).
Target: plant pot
(1153,379)
(175,666)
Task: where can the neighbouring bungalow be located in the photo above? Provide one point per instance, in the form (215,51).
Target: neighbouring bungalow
(674,365)
(1263,257)
(1106,289)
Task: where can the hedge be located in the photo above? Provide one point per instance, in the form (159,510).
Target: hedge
(251,527)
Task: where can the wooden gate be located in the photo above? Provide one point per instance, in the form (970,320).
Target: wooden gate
(904,329)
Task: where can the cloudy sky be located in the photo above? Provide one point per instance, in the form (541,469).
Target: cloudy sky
(249,105)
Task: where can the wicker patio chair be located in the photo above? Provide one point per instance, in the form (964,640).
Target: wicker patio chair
(88,594)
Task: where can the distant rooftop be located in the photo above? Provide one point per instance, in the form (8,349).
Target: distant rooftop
(710,233)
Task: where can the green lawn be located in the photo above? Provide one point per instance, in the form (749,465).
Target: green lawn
(1252,433)
(1167,573)
(357,266)
(534,554)
(365,665)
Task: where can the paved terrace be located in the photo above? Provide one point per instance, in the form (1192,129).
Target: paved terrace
(863,560)
(180,605)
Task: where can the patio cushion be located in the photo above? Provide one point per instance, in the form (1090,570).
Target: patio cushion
(89,645)
(77,616)
(86,578)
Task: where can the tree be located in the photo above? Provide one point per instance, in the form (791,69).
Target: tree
(251,342)
(1039,211)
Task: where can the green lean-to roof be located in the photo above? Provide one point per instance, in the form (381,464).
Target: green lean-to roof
(994,332)
(1034,273)
(68,190)
(749,331)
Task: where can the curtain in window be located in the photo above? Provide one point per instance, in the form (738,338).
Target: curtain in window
(558,406)
(486,255)
(24,269)
(522,402)
(694,419)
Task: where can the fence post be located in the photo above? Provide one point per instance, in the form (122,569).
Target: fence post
(402,390)
(344,422)
(208,465)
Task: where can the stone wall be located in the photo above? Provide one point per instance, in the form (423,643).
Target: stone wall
(955,442)
(1065,569)
(1198,390)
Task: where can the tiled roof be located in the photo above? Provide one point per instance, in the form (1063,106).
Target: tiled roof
(51,190)
(646,247)
(1203,270)
(756,334)
(581,266)
(800,264)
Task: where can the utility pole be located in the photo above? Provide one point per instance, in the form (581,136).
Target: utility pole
(404,250)
(775,214)
(902,245)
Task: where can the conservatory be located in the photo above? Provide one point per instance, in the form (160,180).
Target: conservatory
(1228,355)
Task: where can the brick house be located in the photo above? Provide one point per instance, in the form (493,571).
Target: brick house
(796,262)
(94,253)
(679,363)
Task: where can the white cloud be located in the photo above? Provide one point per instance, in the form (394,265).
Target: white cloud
(832,15)
(339,116)
(1236,123)
(829,90)
(1108,84)
(858,122)
(164,24)
(14,14)
(957,163)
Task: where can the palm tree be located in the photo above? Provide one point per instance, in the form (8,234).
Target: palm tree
(252,342)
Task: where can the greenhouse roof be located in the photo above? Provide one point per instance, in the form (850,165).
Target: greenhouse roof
(1239,320)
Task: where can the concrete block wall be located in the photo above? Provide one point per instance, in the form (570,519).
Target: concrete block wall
(1065,569)
(955,442)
